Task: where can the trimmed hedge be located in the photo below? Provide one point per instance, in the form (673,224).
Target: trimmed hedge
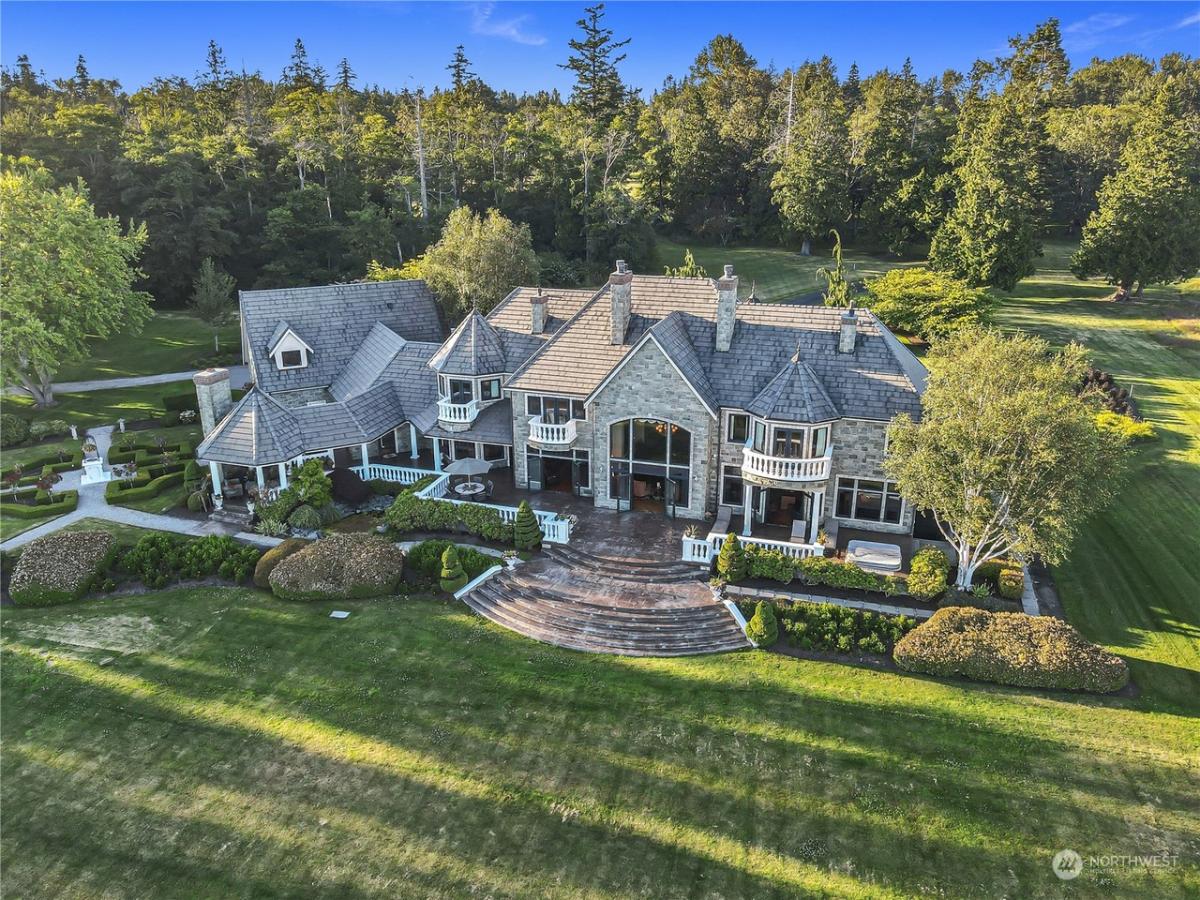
(14,430)
(410,513)
(339,567)
(59,502)
(827,626)
(1010,648)
(762,628)
(143,454)
(159,559)
(453,578)
(927,573)
(61,567)
(142,488)
(425,559)
(36,465)
(273,557)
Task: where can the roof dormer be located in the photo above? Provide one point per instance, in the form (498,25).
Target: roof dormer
(288,349)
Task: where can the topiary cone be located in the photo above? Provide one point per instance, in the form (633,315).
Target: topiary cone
(731,563)
(762,628)
(453,576)
(527,534)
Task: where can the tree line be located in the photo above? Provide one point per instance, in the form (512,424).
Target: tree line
(311,177)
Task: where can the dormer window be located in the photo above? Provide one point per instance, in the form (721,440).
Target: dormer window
(288,349)
(291,359)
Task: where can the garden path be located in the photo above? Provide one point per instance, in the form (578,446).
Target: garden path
(238,375)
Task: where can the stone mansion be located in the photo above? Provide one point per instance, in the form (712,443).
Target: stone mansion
(659,394)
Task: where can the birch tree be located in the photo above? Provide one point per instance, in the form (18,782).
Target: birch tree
(1007,455)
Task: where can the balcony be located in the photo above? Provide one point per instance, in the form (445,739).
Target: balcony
(782,471)
(550,435)
(460,414)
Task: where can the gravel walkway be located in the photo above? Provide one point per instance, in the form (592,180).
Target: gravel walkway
(238,375)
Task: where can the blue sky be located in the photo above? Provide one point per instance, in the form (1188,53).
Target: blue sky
(518,45)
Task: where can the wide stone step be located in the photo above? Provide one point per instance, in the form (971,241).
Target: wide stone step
(555,615)
(519,585)
(668,643)
(625,568)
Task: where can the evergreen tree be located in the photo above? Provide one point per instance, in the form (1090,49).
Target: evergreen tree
(299,72)
(460,69)
(527,533)
(837,288)
(1147,227)
(731,561)
(990,235)
(346,76)
(852,89)
(82,82)
(212,297)
(598,89)
(763,628)
(453,578)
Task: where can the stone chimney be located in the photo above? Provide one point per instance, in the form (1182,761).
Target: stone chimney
(537,307)
(214,397)
(620,287)
(849,333)
(727,290)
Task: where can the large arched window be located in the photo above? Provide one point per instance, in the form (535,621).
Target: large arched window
(649,457)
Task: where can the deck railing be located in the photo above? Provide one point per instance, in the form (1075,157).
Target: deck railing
(559,435)
(458,413)
(555,528)
(782,468)
(704,550)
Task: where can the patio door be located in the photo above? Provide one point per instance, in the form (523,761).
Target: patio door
(536,477)
(671,497)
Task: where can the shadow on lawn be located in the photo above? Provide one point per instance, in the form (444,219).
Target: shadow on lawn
(478,739)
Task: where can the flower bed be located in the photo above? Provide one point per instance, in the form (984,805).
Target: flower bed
(341,566)
(425,560)
(62,567)
(1010,648)
(826,626)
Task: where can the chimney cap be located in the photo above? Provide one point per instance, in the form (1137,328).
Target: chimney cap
(211,376)
(728,270)
(539,297)
(849,313)
(622,269)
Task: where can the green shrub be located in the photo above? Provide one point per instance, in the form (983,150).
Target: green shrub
(1011,584)
(829,627)
(338,567)
(763,562)
(1010,648)
(60,502)
(731,561)
(45,428)
(197,501)
(425,559)
(420,484)
(927,574)
(310,484)
(527,534)
(329,514)
(1128,427)
(927,303)
(837,574)
(14,430)
(453,578)
(41,498)
(273,557)
(160,559)
(762,627)
(410,513)
(60,567)
(192,476)
(305,518)
(142,488)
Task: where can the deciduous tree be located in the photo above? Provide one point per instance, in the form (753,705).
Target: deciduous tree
(478,260)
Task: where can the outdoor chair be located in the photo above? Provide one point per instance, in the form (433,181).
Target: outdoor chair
(491,486)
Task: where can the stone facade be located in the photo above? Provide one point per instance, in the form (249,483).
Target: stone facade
(584,439)
(214,397)
(648,386)
(858,450)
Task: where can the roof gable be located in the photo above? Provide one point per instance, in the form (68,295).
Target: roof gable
(474,348)
(794,395)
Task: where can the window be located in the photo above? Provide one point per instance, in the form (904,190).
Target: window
(556,410)
(868,500)
(652,453)
(618,480)
(677,488)
(578,410)
(820,441)
(490,389)
(291,359)
(732,488)
(681,447)
(493,452)
(583,469)
(760,436)
(738,428)
(461,391)
(650,440)
(618,440)
(533,405)
(464,450)
(789,443)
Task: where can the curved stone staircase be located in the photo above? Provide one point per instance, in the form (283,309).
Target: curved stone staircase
(577,600)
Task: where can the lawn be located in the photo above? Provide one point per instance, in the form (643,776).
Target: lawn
(92,408)
(1133,580)
(169,342)
(11,526)
(774,273)
(218,743)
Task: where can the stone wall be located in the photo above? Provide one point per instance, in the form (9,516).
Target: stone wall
(583,440)
(649,387)
(858,449)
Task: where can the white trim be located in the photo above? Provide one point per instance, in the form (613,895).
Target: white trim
(283,337)
(727,436)
(837,487)
(649,336)
(477,581)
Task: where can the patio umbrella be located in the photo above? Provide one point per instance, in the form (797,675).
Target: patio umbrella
(468,467)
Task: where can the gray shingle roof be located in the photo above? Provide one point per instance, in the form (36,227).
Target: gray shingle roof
(879,379)
(474,348)
(794,395)
(493,425)
(369,362)
(672,335)
(334,320)
(257,431)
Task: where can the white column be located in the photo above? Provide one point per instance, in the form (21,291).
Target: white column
(282,476)
(260,478)
(437,455)
(214,469)
(412,440)
(747,513)
(818,505)
(365,455)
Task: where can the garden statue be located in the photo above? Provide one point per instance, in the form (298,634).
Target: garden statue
(74,432)
(121,425)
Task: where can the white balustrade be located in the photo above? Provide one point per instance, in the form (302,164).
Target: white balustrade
(705,551)
(397,474)
(457,413)
(561,435)
(780,468)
